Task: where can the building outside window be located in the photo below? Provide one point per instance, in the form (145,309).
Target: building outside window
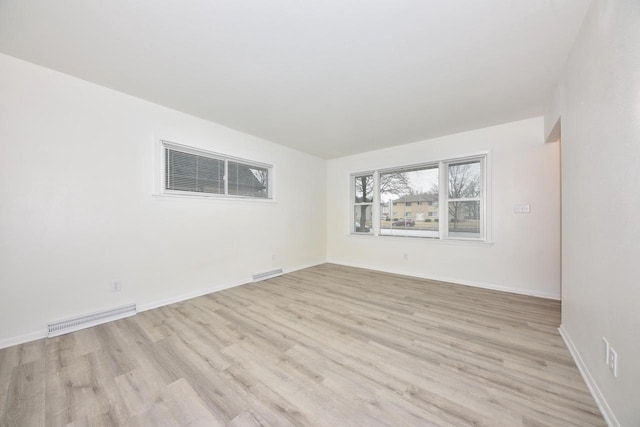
(442,200)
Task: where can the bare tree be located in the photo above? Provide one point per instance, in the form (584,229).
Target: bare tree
(262,178)
(364,194)
(391,183)
(394,183)
(464,182)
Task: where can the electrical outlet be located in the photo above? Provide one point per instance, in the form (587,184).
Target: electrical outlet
(406,257)
(613,362)
(522,208)
(605,347)
(116,286)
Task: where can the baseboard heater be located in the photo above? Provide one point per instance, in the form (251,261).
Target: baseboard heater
(267,275)
(89,320)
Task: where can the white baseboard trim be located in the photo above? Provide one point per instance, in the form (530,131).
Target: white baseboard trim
(304,266)
(183,297)
(179,298)
(547,295)
(604,407)
(36,335)
(21,339)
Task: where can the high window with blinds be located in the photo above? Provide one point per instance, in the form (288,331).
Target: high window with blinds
(190,171)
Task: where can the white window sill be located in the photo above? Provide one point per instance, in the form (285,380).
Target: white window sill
(429,240)
(211,197)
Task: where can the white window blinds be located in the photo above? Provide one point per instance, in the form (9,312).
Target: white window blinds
(191,171)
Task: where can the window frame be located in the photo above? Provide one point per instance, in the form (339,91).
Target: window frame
(353,195)
(161,173)
(443,199)
(402,214)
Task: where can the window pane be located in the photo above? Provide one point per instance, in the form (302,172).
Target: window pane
(362,218)
(248,180)
(190,172)
(409,202)
(364,188)
(464,180)
(464,219)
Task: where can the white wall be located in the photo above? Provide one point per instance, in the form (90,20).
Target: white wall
(77,211)
(601,202)
(525,256)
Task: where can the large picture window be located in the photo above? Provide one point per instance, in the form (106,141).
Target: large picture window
(189,171)
(439,200)
(407,197)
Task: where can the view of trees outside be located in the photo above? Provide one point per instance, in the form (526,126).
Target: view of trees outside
(409,202)
(248,180)
(394,183)
(364,203)
(464,199)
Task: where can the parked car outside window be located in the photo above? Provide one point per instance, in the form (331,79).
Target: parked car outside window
(404,222)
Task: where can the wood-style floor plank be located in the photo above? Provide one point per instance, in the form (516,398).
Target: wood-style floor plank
(325,346)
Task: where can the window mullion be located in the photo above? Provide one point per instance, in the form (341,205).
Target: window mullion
(168,170)
(483,198)
(443,200)
(375,209)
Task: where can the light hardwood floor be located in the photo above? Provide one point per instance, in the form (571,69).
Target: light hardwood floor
(325,346)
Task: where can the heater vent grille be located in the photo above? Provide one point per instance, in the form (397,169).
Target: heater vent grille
(89,320)
(267,275)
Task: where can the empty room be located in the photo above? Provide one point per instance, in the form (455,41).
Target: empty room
(331,213)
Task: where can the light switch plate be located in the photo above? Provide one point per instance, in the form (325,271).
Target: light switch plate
(522,208)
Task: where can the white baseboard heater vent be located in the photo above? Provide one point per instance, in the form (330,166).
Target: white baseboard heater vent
(89,320)
(267,275)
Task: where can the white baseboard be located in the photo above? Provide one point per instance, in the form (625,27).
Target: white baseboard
(179,298)
(21,339)
(36,335)
(604,407)
(547,295)
(183,297)
(302,267)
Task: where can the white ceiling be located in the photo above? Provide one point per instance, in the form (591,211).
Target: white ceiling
(330,77)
